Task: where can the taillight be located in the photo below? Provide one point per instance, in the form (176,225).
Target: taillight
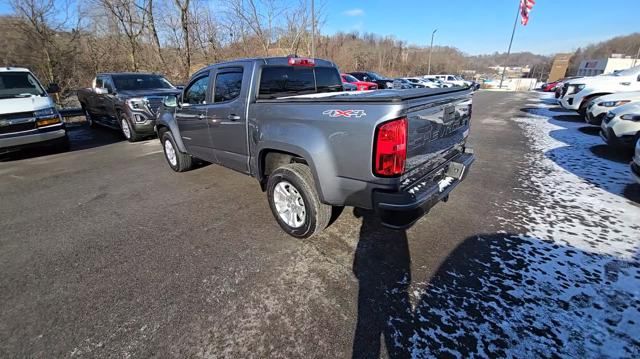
(390,148)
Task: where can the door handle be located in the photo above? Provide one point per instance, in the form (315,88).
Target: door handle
(201,116)
(233,117)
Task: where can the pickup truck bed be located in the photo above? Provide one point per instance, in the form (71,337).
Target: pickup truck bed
(398,152)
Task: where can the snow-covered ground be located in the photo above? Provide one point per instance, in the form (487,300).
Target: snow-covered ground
(565,283)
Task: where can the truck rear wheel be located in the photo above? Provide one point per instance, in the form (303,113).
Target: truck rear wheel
(177,160)
(294,201)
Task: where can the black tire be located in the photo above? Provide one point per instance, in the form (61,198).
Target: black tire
(183,162)
(317,214)
(88,117)
(123,121)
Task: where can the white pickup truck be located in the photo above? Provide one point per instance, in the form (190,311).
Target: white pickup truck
(28,116)
(578,93)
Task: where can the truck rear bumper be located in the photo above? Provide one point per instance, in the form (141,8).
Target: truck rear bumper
(402,209)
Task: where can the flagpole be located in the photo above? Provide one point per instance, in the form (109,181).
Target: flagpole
(515,23)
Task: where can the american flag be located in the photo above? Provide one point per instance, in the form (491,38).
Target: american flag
(525,8)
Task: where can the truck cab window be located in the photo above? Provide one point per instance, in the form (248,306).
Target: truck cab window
(228,86)
(99,82)
(196,93)
(280,81)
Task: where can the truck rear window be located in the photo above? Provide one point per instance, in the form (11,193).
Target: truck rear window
(279,81)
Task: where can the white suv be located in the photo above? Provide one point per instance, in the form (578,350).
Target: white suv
(621,126)
(598,108)
(28,116)
(452,79)
(577,93)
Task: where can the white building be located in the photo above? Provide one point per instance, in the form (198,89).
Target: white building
(616,62)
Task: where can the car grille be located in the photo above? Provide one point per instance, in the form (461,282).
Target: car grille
(24,126)
(6,127)
(565,88)
(155,103)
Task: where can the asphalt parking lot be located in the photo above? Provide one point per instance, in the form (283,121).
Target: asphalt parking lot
(105,252)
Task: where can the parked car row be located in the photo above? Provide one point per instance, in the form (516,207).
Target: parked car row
(364,80)
(611,102)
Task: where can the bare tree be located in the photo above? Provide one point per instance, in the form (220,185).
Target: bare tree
(45,20)
(131,17)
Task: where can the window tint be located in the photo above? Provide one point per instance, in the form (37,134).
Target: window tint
(141,82)
(196,93)
(328,80)
(19,84)
(278,81)
(228,85)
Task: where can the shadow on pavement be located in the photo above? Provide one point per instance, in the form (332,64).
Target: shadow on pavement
(382,265)
(590,130)
(81,137)
(589,158)
(495,295)
(620,155)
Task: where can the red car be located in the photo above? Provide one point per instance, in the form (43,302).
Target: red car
(362,85)
(551,86)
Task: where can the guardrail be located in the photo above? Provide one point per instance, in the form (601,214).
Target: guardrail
(71,112)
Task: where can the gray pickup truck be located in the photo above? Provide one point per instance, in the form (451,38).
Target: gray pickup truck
(125,101)
(312,147)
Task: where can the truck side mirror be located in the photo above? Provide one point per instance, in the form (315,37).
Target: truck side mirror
(53,88)
(170,101)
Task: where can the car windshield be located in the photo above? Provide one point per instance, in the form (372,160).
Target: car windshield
(140,82)
(376,76)
(19,84)
(628,72)
(349,78)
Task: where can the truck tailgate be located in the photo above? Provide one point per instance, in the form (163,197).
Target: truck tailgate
(437,133)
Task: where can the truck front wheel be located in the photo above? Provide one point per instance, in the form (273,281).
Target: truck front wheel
(177,160)
(294,201)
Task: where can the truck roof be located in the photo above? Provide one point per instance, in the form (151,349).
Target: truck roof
(276,60)
(13,69)
(126,73)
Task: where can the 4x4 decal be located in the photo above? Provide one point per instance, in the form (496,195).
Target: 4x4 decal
(344,113)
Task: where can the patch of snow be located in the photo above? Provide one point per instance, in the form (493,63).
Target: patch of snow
(568,284)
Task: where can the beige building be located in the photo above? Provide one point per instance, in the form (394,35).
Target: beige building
(559,67)
(616,62)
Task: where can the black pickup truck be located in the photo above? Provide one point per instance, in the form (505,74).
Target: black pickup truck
(125,101)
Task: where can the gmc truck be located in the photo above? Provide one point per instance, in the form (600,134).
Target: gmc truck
(126,102)
(312,146)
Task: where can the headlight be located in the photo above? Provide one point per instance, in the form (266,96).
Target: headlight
(47,117)
(630,117)
(137,103)
(47,112)
(613,103)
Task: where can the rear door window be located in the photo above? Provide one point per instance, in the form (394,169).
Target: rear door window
(279,81)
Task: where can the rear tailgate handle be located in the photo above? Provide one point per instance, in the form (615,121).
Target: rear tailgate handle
(233,117)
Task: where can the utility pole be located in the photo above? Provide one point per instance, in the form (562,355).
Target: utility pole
(515,23)
(313,30)
(637,56)
(430,51)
